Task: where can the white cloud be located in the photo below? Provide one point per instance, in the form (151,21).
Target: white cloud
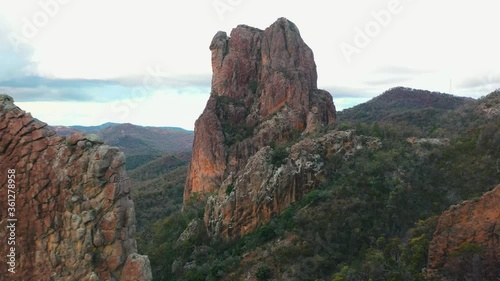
(113,40)
(161,109)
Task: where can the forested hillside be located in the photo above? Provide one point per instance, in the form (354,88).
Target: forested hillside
(373,216)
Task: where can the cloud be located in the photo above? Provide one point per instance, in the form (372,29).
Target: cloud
(391,75)
(19,78)
(159,109)
(349,92)
(485,82)
(387,80)
(399,70)
(155,78)
(38,81)
(37,88)
(15,62)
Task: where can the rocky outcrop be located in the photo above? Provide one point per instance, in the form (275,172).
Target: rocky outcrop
(74,216)
(264,93)
(272,180)
(466,241)
(429,141)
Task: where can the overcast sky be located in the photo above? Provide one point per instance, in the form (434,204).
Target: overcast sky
(147,62)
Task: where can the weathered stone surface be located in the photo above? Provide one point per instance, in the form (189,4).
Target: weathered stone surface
(263,92)
(137,268)
(466,241)
(263,89)
(266,186)
(68,227)
(193,230)
(431,141)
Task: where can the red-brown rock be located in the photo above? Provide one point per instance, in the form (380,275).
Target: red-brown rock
(264,92)
(74,221)
(256,74)
(466,244)
(135,267)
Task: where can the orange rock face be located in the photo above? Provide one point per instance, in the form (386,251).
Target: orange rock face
(75,219)
(265,187)
(256,75)
(264,92)
(466,241)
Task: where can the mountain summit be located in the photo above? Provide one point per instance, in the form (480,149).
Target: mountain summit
(263,89)
(398,101)
(264,93)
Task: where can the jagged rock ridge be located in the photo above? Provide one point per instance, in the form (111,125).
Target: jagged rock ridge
(264,92)
(75,216)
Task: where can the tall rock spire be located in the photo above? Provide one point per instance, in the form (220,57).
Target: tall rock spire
(264,91)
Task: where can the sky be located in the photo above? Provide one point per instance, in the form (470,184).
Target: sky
(88,62)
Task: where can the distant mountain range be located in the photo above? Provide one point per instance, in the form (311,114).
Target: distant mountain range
(157,159)
(139,143)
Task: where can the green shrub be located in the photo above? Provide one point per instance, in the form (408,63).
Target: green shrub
(263,273)
(467,248)
(253,86)
(266,233)
(279,155)
(229,188)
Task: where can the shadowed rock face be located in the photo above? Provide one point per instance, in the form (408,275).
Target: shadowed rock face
(75,218)
(264,92)
(466,241)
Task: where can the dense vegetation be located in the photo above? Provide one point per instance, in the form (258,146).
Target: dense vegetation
(400,102)
(372,218)
(158,188)
(154,140)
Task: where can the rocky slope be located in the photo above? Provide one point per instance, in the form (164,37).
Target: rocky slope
(264,93)
(466,241)
(269,183)
(75,218)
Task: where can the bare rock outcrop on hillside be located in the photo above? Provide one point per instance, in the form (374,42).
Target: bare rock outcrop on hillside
(466,241)
(271,181)
(264,93)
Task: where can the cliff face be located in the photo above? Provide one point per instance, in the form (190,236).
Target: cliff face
(264,93)
(466,241)
(75,218)
(269,182)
